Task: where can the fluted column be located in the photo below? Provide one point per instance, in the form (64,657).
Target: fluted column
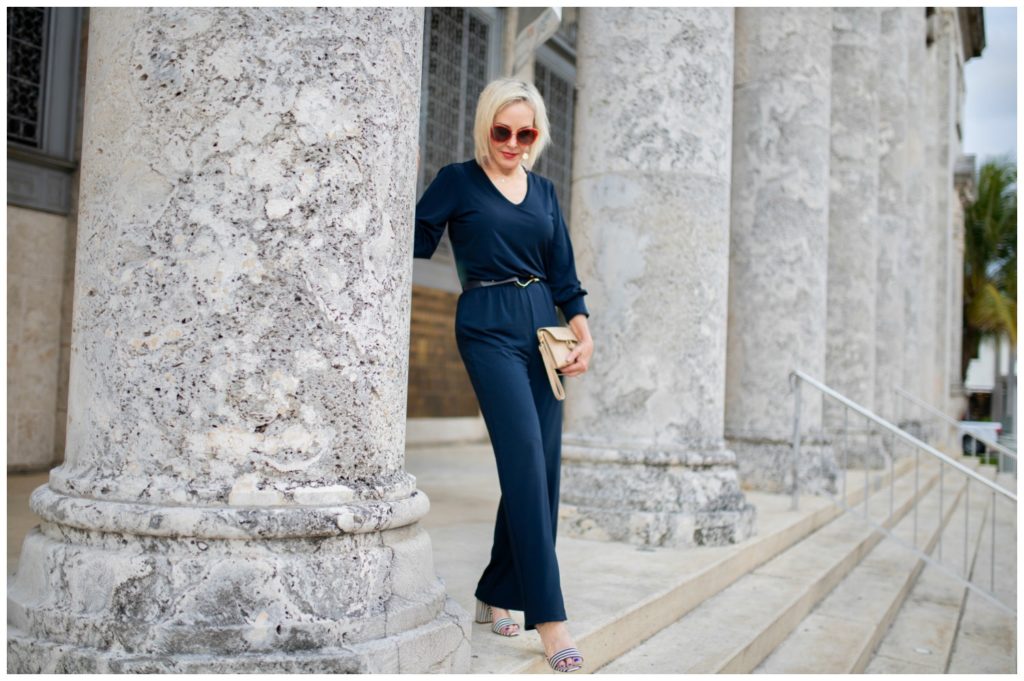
(894,216)
(643,455)
(853,225)
(779,243)
(233,496)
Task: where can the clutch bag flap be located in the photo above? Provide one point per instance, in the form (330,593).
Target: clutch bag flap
(557,342)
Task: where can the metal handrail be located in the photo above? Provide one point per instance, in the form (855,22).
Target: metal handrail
(956,424)
(796,377)
(901,433)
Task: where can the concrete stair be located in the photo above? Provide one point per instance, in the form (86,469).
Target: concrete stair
(622,597)
(921,636)
(986,640)
(735,629)
(846,627)
(617,594)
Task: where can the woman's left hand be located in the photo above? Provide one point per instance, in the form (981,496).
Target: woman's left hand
(579,358)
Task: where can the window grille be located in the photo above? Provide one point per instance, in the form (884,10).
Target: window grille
(556,161)
(26,52)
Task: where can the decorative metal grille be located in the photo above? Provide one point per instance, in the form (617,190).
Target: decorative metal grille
(26,49)
(476,77)
(445,101)
(457,60)
(556,161)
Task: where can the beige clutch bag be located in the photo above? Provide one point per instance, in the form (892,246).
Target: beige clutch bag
(556,342)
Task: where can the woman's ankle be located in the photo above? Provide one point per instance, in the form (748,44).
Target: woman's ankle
(557,629)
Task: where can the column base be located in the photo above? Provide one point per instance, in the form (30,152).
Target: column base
(677,530)
(767,465)
(102,600)
(865,449)
(441,646)
(653,498)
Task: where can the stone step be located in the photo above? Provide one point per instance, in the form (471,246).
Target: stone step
(920,639)
(1007,480)
(733,630)
(842,631)
(622,594)
(986,641)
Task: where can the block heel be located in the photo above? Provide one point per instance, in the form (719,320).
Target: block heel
(484,613)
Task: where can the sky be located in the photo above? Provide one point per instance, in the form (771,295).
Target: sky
(990,90)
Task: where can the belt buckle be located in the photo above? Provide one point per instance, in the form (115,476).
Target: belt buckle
(529,281)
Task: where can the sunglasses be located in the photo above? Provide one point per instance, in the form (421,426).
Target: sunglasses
(502,133)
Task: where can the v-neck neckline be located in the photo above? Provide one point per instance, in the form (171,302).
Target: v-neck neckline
(493,186)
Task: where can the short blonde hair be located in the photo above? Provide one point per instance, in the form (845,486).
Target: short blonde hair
(496,96)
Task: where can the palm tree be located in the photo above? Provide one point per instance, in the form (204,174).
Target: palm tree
(990,260)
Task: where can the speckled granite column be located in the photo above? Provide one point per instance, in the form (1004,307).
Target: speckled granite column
(643,456)
(893,209)
(917,268)
(779,244)
(234,497)
(853,228)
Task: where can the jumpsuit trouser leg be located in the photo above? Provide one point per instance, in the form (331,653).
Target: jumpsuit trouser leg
(496,335)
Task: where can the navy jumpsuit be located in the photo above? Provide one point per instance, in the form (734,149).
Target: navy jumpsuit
(496,334)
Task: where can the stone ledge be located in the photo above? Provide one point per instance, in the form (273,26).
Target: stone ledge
(244,522)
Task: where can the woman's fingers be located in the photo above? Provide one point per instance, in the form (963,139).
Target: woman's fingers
(572,368)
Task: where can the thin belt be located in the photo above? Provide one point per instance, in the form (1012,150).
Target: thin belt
(527,280)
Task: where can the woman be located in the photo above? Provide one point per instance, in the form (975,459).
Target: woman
(516,262)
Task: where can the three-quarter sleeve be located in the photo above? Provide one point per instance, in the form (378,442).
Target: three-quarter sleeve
(433,211)
(561,267)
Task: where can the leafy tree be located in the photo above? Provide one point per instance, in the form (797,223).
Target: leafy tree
(990,259)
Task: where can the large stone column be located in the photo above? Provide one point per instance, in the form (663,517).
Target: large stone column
(894,216)
(853,225)
(963,182)
(944,83)
(779,243)
(917,268)
(233,496)
(643,456)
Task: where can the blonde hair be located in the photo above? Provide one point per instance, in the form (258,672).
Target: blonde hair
(496,96)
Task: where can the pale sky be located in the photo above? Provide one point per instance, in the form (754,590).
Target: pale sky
(990,82)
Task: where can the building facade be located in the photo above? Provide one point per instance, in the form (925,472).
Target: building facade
(219,341)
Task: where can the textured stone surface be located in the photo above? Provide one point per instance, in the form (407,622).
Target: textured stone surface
(36,244)
(768,465)
(780,225)
(957,393)
(238,284)
(643,456)
(918,267)
(946,96)
(853,210)
(150,596)
(234,493)
(893,210)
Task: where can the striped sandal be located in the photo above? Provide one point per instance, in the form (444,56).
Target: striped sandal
(484,614)
(565,656)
